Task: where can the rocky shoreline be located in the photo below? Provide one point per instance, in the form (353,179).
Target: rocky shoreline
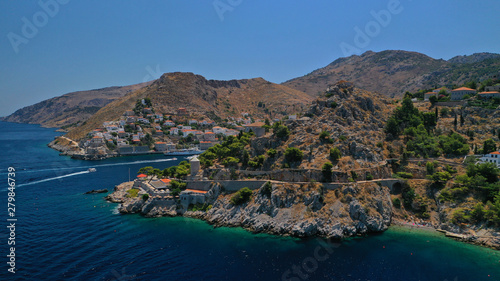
(294,209)
(300,210)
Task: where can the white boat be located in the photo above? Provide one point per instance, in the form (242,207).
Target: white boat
(91,170)
(183,152)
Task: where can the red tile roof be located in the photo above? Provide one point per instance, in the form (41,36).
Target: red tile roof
(197,191)
(141,176)
(464,89)
(496,152)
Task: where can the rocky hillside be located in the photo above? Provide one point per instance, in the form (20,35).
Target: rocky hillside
(395,72)
(343,117)
(70,109)
(478,57)
(202,97)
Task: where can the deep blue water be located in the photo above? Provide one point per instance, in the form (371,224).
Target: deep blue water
(62,234)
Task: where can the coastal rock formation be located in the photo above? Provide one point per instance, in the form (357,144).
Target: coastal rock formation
(300,210)
(93,191)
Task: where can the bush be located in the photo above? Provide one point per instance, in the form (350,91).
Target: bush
(396,202)
(335,154)
(241,196)
(293,154)
(175,192)
(281,131)
(178,185)
(132,193)
(231,162)
(460,215)
(369,177)
(404,175)
(325,136)
(408,194)
(327,171)
(440,177)
(145,197)
(272,152)
(430,167)
(267,189)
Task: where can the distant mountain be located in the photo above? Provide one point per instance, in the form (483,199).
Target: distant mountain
(70,108)
(392,73)
(205,98)
(478,57)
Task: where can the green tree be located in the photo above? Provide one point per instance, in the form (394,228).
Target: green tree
(325,136)
(471,84)
(335,154)
(145,170)
(293,154)
(241,196)
(430,167)
(433,100)
(272,152)
(489,171)
(281,131)
(445,112)
(327,171)
(489,146)
(440,178)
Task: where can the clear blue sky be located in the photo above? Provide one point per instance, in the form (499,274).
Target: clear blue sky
(82,45)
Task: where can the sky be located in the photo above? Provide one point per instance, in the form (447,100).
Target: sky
(52,47)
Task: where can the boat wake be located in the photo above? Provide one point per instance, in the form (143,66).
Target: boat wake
(54,178)
(97,166)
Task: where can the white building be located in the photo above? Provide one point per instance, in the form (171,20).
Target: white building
(218,130)
(429,94)
(174,131)
(458,94)
(493,157)
(489,95)
(169,123)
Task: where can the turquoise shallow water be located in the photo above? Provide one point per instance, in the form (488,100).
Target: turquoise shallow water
(65,235)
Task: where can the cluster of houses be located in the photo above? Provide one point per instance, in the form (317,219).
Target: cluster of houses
(460,93)
(204,131)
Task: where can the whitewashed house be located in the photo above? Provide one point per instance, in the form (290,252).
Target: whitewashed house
(458,94)
(493,157)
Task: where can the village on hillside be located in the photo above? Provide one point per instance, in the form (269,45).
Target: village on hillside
(144,131)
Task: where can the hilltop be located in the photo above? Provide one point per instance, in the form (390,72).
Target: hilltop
(203,98)
(395,72)
(70,109)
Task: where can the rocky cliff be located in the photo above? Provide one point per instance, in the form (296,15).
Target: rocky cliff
(300,210)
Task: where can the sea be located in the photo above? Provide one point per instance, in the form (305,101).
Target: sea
(62,234)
